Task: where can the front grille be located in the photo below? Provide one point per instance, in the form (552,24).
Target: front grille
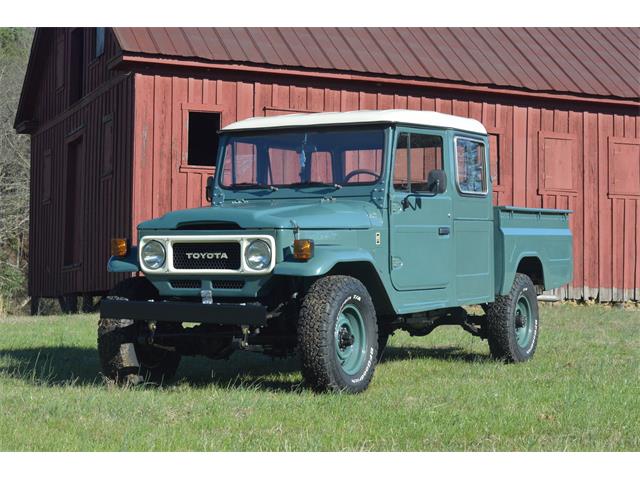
(228,284)
(209,226)
(207,256)
(185,283)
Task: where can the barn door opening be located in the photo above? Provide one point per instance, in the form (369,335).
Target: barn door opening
(72,203)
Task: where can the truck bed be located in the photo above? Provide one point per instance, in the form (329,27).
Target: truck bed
(532,233)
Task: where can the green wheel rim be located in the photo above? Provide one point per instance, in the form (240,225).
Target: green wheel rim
(525,323)
(350,339)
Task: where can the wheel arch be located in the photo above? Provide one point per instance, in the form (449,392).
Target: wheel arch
(366,273)
(532,266)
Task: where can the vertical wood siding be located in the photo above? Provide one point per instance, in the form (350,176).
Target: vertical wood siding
(52,96)
(104,207)
(543,156)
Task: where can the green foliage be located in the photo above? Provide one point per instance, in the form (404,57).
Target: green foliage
(15,41)
(14,169)
(440,392)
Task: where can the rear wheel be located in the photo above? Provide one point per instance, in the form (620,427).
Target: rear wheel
(338,335)
(123,359)
(513,322)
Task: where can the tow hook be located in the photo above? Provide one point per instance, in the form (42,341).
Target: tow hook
(149,339)
(245,337)
(243,342)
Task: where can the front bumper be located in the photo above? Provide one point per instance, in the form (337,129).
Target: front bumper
(250,314)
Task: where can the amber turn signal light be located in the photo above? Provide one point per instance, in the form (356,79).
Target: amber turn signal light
(303,249)
(119,247)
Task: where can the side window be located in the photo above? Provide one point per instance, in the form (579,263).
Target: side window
(471,166)
(417,154)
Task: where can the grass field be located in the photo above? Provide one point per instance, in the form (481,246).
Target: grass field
(440,392)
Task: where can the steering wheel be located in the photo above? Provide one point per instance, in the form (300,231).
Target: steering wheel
(353,173)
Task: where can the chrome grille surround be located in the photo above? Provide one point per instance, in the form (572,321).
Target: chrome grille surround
(168,242)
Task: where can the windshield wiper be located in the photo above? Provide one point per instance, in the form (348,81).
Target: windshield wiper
(248,186)
(315,184)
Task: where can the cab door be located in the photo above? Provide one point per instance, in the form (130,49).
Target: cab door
(472,221)
(421,228)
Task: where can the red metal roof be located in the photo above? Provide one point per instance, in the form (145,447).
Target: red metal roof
(589,61)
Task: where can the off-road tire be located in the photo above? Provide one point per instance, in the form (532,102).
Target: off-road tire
(317,324)
(500,324)
(123,359)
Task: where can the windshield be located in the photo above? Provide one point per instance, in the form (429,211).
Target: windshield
(297,159)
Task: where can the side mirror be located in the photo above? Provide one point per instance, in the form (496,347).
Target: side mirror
(437,181)
(208,193)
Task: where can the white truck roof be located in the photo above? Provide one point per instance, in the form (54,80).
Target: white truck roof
(413,117)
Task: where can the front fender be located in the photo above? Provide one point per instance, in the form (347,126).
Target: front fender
(324,259)
(125,264)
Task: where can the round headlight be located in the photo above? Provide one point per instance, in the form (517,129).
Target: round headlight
(258,255)
(153,255)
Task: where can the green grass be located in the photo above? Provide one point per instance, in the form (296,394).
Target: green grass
(441,392)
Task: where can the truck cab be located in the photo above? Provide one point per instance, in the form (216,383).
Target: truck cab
(325,234)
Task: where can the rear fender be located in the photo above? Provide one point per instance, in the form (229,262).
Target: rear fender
(510,275)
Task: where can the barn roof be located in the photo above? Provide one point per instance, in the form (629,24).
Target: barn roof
(586,61)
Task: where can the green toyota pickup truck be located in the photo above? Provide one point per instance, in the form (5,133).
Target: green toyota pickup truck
(325,234)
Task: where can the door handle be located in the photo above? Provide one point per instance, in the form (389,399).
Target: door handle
(444,230)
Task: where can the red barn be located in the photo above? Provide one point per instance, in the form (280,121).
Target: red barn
(122,124)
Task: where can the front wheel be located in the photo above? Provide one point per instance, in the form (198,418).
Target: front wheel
(338,335)
(123,359)
(513,322)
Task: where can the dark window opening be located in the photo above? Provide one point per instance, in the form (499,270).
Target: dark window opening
(59,59)
(98,41)
(107,147)
(72,203)
(203,138)
(46,177)
(76,73)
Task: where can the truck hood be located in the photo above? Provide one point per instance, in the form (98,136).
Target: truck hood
(338,214)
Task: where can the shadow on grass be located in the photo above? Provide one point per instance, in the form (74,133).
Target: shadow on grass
(52,365)
(60,366)
(455,354)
